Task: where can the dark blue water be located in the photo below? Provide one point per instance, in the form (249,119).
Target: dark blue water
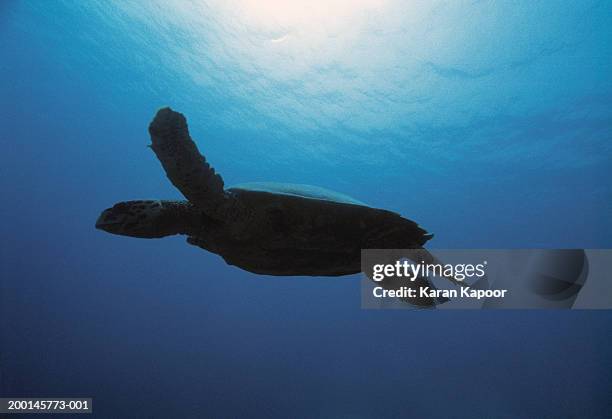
(488,123)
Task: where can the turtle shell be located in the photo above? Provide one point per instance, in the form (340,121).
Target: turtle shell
(299,190)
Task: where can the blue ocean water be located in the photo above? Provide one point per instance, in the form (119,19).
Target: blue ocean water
(489,123)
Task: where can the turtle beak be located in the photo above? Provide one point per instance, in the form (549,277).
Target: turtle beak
(109,221)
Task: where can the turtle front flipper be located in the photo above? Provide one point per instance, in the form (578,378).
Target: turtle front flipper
(186,168)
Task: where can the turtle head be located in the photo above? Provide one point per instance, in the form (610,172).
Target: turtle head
(143,219)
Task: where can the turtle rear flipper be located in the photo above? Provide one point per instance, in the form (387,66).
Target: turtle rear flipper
(186,168)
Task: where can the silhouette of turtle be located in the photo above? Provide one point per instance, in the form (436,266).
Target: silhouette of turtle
(265,228)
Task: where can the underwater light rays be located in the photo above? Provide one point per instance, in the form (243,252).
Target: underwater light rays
(403,71)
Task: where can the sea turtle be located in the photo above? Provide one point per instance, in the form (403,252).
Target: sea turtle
(265,228)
